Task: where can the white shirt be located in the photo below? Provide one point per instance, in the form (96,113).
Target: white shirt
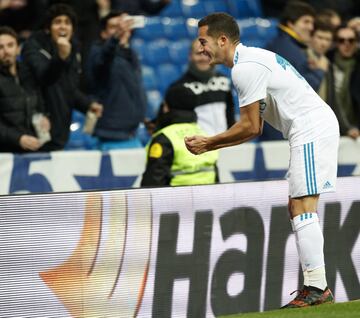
(211,117)
(292,106)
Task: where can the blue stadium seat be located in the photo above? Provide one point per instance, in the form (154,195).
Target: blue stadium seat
(77,139)
(175,29)
(139,46)
(143,134)
(157,52)
(245,8)
(248,28)
(267,28)
(254,42)
(172,10)
(183,68)
(77,117)
(192,27)
(149,78)
(193,9)
(224,70)
(167,74)
(216,6)
(154,100)
(179,51)
(258,31)
(153,29)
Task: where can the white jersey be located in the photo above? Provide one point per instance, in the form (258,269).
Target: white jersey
(291,105)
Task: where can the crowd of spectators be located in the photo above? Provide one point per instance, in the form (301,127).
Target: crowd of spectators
(59,55)
(324,48)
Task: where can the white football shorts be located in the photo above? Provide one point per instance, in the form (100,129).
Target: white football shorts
(313,167)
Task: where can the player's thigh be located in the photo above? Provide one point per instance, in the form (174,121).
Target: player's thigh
(313,167)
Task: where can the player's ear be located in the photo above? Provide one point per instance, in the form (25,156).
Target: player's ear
(222,40)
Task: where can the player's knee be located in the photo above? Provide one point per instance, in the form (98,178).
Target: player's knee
(290,206)
(302,205)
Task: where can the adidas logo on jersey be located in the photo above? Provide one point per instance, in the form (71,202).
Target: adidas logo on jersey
(327,185)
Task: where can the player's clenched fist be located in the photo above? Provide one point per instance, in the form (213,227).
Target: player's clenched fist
(196,144)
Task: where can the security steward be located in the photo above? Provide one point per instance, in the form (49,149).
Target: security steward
(168,160)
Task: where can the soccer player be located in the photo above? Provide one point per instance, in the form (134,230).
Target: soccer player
(270,88)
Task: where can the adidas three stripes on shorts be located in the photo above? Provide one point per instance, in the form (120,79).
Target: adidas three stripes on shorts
(313,167)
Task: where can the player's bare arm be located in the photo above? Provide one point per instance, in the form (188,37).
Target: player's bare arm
(248,127)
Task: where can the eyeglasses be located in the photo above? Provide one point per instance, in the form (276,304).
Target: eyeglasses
(343,40)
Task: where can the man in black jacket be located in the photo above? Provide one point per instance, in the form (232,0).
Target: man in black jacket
(114,76)
(19,99)
(55,62)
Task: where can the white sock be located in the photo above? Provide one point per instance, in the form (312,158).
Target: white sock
(310,243)
(305,273)
(317,278)
(306,278)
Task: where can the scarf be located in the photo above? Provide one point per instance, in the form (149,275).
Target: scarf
(202,76)
(343,97)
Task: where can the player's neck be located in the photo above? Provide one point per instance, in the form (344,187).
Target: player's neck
(229,59)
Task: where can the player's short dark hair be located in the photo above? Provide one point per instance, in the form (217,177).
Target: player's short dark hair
(112,14)
(221,23)
(6,30)
(57,10)
(294,10)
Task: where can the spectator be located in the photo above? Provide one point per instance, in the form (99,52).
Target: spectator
(354,23)
(344,81)
(296,25)
(19,99)
(168,161)
(114,75)
(53,58)
(89,13)
(139,7)
(320,43)
(345,8)
(329,16)
(208,91)
(273,8)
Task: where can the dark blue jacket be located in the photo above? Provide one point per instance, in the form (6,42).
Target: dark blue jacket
(114,76)
(295,52)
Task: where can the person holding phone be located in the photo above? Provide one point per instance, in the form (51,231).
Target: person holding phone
(114,78)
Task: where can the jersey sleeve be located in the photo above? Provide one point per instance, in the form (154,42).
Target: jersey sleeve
(250,80)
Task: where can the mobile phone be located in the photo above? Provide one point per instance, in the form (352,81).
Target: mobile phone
(138,21)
